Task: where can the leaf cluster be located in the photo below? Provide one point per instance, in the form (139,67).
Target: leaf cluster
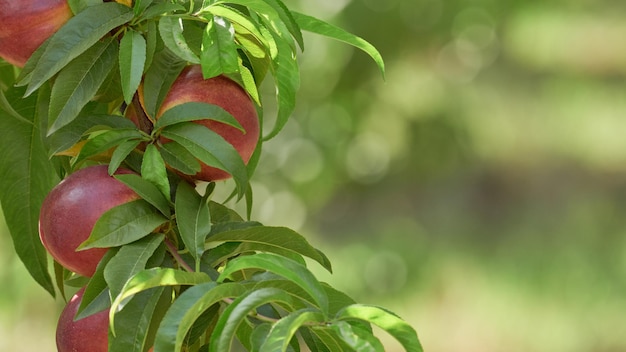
(183,272)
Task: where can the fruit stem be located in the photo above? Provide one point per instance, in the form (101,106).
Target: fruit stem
(174,251)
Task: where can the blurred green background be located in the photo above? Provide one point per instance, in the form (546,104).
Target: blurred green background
(478,190)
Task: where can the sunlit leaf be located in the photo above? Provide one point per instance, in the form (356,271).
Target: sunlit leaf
(234,315)
(129,260)
(315,25)
(171,29)
(193,111)
(386,320)
(153,170)
(283,267)
(156,277)
(187,309)
(219,50)
(284,329)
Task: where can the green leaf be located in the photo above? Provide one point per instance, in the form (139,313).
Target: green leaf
(160,9)
(315,25)
(171,29)
(134,321)
(313,342)
(27,176)
(187,308)
(158,79)
(386,320)
(357,338)
(153,170)
(283,267)
(280,237)
(156,277)
(121,152)
(193,219)
(221,214)
(124,224)
(96,296)
(228,323)
(330,340)
(147,191)
(179,158)
(194,111)
(105,141)
(219,49)
(211,149)
(67,136)
(77,35)
(287,76)
(288,20)
(132,58)
(129,260)
(285,329)
(79,81)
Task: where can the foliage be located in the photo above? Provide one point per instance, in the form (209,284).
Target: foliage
(184,273)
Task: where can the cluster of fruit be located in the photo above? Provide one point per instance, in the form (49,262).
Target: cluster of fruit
(71,209)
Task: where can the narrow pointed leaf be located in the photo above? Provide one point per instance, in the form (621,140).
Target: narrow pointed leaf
(171,30)
(129,260)
(27,176)
(67,136)
(77,35)
(147,191)
(105,141)
(179,158)
(387,321)
(121,152)
(133,322)
(211,149)
(153,170)
(281,237)
(158,79)
(284,330)
(236,312)
(187,308)
(79,82)
(194,111)
(315,25)
(287,76)
(124,224)
(360,340)
(219,49)
(193,219)
(283,267)
(157,277)
(132,58)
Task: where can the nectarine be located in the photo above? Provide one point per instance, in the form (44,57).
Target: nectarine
(90,334)
(25,25)
(190,86)
(70,211)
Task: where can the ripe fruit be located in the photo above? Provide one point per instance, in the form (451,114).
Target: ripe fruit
(87,334)
(70,211)
(24,25)
(190,86)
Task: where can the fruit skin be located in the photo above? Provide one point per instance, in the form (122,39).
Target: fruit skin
(90,334)
(71,209)
(190,86)
(25,25)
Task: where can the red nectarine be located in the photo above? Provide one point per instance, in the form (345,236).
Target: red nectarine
(72,208)
(90,334)
(25,25)
(190,86)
